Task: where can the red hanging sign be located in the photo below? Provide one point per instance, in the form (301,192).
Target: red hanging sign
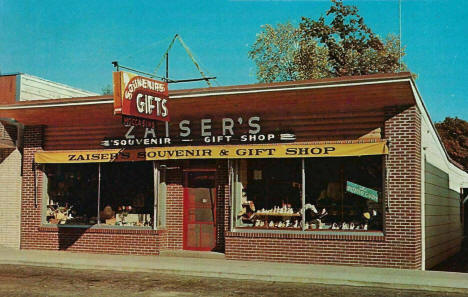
(140,97)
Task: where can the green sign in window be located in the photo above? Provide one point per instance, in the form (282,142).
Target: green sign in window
(362,191)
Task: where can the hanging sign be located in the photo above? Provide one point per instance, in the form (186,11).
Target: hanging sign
(362,191)
(293,150)
(137,97)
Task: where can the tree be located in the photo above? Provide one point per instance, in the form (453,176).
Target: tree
(277,50)
(107,90)
(339,44)
(454,134)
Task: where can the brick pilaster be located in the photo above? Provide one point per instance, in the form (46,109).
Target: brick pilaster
(174,207)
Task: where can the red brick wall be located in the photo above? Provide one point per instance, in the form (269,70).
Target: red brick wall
(33,236)
(222,203)
(403,221)
(174,207)
(399,247)
(108,241)
(7,89)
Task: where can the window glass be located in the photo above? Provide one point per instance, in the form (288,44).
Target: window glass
(127,194)
(340,194)
(72,191)
(344,193)
(270,193)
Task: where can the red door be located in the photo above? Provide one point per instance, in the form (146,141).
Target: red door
(199,211)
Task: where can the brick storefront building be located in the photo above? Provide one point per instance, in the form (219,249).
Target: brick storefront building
(346,171)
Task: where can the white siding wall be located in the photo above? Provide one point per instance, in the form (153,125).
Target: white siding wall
(10,197)
(441,195)
(35,88)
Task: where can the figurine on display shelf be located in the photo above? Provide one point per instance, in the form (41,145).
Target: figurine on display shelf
(313,217)
(247,213)
(122,213)
(57,214)
(311,212)
(318,224)
(372,220)
(107,215)
(284,209)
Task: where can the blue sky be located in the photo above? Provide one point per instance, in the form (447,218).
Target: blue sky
(74,42)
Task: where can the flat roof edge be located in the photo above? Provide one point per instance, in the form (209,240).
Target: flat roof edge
(229,90)
(294,84)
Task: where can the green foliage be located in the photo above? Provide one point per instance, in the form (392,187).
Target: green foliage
(339,44)
(107,90)
(274,52)
(454,134)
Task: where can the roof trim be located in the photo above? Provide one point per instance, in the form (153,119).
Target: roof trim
(58,104)
(286,88)
(326,81)
(10,74)
(422,106)
(223,91)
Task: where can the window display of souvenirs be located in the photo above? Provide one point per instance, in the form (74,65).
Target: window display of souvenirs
(340,194)
(73,195)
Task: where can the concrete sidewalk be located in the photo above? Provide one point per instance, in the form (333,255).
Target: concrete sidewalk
(267,271)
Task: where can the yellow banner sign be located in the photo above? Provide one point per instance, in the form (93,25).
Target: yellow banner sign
(89,156)
(295,150)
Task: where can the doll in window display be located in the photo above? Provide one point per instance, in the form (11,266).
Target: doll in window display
(369,212)
(247,210)
(330,200)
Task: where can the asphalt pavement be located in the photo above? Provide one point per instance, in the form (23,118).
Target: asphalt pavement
(214,265)
(34,281)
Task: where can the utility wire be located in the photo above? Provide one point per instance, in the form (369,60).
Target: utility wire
(146,48)
(399,42)
(189,53)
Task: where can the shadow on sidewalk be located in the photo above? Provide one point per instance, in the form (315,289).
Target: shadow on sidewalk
(456,263)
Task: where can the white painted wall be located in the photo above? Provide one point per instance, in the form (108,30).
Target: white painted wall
(10,198)
(441,183)
(435,154)
(30,87)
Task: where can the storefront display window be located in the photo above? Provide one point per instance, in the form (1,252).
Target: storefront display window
(72,192)
(339,194)
(271,194)
(127,194)
(114,194)
(343,193)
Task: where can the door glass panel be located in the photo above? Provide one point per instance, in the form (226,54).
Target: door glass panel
(200,179)
(204,215)
(207,236)
(193,235)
